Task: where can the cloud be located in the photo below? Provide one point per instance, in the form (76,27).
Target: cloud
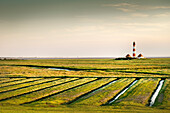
(162,15)
(160,7)
(145,24)
(138,26)
(120,5)
(84,28)
(139,15)
(147,29)
(127,7)
(124,9)
(88,19)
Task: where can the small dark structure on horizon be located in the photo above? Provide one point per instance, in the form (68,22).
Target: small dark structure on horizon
(140,56)
(128,56)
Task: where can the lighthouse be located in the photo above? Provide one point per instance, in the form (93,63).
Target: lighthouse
(128,57)
(134,50)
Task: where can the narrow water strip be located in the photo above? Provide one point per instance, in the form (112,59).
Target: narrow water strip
(122,92)
(59,69)
(155,94)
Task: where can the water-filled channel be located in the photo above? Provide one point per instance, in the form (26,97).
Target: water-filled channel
(153,98)
(122,92)
(59,69)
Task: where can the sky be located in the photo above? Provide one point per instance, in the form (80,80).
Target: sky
(84,28)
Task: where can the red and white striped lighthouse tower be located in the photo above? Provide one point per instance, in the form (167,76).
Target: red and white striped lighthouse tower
(134,50)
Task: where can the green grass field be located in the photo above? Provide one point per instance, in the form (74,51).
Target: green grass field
(89,86)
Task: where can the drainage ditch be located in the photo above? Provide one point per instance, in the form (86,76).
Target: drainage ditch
(156,92)
(91,92)
(59,69)
(121,92)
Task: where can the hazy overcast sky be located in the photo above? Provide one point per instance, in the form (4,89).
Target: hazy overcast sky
(70,28)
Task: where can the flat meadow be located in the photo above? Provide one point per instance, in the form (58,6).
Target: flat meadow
(84,85)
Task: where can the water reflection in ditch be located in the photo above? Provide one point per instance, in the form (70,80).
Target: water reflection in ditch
(153,98)
(59,69)
(122,92)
